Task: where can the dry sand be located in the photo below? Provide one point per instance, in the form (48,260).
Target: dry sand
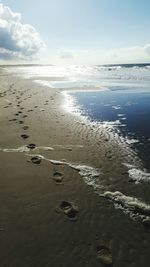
(48,215)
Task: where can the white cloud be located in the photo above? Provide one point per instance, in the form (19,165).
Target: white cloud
(17,40)
(147,49)
(135,54)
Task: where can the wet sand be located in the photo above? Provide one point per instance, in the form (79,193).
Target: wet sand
(49,215)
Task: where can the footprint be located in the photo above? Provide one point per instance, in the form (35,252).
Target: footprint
(36,160)
(104,255)
(31,146)
(108,155)
(13,120)
(24,116)
(21,122)
(58,177)
(25,136)
(25,127)
(69,210)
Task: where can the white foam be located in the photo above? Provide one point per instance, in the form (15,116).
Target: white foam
(19,149)
(116,107)
(121,115)
(36,155)
(111,123)
(39,156)
(138,175)
(26,149)
(46,148)
(88,173)
(132,206)
(131,141)
(57,162)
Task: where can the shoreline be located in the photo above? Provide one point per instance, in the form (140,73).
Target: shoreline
(35,230)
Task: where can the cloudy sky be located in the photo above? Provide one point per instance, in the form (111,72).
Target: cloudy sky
(74,31)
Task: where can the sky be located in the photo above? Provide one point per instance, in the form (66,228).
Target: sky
(74,31)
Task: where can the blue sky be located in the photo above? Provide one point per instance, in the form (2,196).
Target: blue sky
(88,31)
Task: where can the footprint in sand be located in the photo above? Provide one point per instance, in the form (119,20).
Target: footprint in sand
(13,120)
(36,160)
(58,177)
(104,255)
(24,116)
(31,146)
(69,210)
(25,136)
(25,128)
(46,102)
(21,122)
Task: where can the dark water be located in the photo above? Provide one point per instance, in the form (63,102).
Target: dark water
(130,107)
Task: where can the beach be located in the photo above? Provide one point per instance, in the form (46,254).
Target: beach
(52,211)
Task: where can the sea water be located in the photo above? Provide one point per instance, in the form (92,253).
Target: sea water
(128,107)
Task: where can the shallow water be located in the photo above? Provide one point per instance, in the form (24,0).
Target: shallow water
(129,108)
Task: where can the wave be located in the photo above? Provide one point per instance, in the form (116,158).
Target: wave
(132,206)
(126,66)
(88,173)
(136,175)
